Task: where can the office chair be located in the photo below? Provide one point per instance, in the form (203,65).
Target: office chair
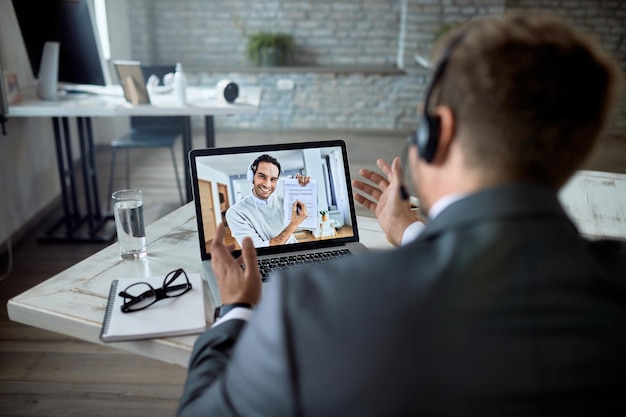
(149,132)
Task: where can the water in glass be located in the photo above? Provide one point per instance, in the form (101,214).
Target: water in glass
(130,229)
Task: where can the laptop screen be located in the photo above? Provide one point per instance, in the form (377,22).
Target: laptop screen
(255,191)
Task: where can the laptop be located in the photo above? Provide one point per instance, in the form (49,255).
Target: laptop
(222,181)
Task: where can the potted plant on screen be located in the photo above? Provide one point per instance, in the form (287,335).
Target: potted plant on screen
(267,49)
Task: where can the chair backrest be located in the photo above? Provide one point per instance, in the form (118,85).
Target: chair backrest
(161,122)
(158,122)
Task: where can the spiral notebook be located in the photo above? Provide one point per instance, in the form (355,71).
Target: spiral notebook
(170,317)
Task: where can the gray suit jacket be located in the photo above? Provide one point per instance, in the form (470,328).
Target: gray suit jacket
(498,308)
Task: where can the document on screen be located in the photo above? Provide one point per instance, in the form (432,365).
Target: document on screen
(306,195)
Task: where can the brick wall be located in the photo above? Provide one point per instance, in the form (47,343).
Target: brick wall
(209,35)
(213,33)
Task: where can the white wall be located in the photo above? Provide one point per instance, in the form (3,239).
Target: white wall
(105,129)
(119,29)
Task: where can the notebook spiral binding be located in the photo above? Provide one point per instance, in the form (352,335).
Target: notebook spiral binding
(109,309)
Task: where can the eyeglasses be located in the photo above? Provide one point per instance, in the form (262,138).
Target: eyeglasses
(142,295)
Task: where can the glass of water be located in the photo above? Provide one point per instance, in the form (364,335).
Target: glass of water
(131,233)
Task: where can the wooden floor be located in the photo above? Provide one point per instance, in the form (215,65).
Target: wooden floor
(45,374)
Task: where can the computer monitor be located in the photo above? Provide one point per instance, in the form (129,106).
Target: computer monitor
(71,23)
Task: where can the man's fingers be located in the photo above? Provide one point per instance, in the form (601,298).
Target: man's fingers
(248,252)
(365,202)
(374,177)
(384,166)
(367,188)
(219,232)
(303,180)
(396,169)
(219,237)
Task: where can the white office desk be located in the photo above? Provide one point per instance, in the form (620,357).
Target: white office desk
(111,103)
(73,302)
(596,202)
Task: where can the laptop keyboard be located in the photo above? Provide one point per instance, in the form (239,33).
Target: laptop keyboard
(289,261)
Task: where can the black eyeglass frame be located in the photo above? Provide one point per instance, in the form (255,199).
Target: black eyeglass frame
(159,293)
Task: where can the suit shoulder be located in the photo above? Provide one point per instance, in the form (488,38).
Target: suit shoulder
(611,254)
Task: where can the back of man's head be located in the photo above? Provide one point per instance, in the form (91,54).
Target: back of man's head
(530,95)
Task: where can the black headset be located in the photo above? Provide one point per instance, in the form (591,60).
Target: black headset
(426,137)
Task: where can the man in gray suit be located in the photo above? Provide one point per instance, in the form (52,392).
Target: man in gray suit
(496,307)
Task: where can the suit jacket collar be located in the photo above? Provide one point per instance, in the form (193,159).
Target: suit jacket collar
(507,201)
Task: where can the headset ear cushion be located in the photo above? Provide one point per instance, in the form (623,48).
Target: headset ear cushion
(428,137)
(250,175)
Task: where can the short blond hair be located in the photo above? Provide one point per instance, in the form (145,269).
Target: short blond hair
(530,94)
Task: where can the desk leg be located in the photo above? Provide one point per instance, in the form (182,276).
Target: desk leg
(90,181)
(209,131)
(187,145)
(71,215)
(93,170)
(72,218)
(85,165)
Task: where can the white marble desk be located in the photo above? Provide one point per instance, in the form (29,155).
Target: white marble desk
(73,302)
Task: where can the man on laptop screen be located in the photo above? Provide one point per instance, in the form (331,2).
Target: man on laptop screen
(297,211)
(261,214)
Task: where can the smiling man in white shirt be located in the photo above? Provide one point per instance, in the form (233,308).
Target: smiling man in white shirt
(260,215)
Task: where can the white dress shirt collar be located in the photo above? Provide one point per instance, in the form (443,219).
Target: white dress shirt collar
(258,200)
(415,229)
(443,203)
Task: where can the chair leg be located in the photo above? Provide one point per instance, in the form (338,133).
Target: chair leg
(113,152)
(180,190)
